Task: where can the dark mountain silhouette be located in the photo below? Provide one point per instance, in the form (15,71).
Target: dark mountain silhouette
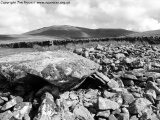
(66,31)
(63,32)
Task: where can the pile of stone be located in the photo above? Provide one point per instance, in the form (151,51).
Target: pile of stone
(111,83)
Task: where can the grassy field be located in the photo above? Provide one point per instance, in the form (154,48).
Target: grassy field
(9,51)
(68,47)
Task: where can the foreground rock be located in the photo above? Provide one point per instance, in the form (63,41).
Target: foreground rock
(63,86)
(63,69)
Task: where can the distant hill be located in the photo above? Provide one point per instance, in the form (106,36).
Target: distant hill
(66,31)
(62,32)
(146,33)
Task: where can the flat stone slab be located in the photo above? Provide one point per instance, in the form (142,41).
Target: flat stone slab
(61,68)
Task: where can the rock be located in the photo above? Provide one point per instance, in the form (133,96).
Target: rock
(105,104)
(64,69)
(22,109)
(99,47)
(136,95)
(65,95)
(139,105)
(47,108)
(4,98)
(147,114)
(128,98)
(151,95)
(1,101)
(68,116)
(107,94)
(125,115)
(112,117)
(152,85)
(101,118)
(104,114)
(129,77)
(103,78)
(113,84)
(12,103)
(78,51)
(134,117)
(26,117)
(73,96)
(91,94)
(120,55)
(7,115)
(82,113)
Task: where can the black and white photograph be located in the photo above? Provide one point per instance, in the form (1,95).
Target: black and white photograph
(79,59)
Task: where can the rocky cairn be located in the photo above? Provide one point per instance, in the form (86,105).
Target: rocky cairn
(101,83)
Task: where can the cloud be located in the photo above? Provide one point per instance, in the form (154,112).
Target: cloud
(134,15)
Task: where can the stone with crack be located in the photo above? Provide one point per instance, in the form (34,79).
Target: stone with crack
(64,69)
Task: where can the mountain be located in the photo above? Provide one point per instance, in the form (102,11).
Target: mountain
(63,32)
(66,31)
(146,33)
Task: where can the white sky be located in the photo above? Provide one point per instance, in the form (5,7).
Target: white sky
(137,15)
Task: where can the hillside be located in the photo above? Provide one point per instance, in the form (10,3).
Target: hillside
(62,32)
(66,31)
(146,33)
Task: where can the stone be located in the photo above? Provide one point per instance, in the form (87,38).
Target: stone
(82,113)
(61,68)
(118,99)
(21,109)
(151,95)
(47,108)
(102,77)
(68,116)
(147,113)
(152,85)
(12,103)
(26,117)
(99,47)
(120,55)
(112,117)
(129,77)
(91,94)
(113,84)
(104,114)
(78,51)
(73,96)
(136,95)
(106,104)
(4,98)
(128,98)
(7,115)
(2,101)
(107,94)
(139,105)
(65,95)
(134,117)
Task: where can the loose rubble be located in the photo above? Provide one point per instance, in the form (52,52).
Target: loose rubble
(102,83)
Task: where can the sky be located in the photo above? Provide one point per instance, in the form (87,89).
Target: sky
(136,15)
